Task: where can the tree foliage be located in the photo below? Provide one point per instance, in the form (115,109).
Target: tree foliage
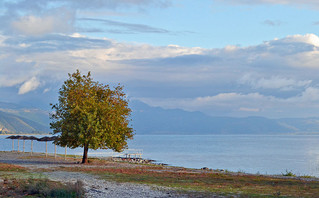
(91,115)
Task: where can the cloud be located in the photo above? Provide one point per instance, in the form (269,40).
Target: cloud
(308,3)
(272,23)
(239,104)
(311,94)
(125,28)
(222,104)
(37,5)
(52,42)
(29,85)
(249,109)
(170,63)
(59,22)
(273,82)
(37,18)
(275,78)
(12,72)
(112,4)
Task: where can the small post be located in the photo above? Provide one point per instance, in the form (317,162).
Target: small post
(31,146)
(18,145)
(23,145)
(12,145)
(65,154)
(46,149)
(54,151)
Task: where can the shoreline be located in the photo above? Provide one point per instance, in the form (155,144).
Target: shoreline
(211,157)
(102,175)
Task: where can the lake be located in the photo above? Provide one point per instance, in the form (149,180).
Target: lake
(265,154)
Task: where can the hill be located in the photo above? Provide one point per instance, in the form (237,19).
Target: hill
(156,120)
(21,120)
(10,123)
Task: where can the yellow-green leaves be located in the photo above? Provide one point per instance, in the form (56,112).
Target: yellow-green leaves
(90,114)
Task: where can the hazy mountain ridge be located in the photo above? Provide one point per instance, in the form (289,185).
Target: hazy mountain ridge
(10,123)
(156,120)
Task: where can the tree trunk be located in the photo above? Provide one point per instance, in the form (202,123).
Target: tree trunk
(85,154)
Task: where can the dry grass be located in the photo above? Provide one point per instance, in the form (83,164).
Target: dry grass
(210,182)
(40,188)
(191,180)
(11,167)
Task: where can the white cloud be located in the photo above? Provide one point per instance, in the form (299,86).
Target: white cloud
(272,23)
(238,104)
(308,3)
(55,16)
(249,109)
(309,95)
(29,85)
(210,104)
(275,76)
(311,39)
(273,82)
(40,25)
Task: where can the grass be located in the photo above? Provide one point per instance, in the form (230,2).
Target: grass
(11,168)
(289,174)
(220,183)
(40,188)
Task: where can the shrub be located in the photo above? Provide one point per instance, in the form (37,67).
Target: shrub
(47,188)
(288,173)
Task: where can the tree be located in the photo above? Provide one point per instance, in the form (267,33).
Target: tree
(91,115)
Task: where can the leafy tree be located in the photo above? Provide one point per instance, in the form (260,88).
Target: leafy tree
(91,115)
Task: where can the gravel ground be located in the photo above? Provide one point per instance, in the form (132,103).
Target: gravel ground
(100,188)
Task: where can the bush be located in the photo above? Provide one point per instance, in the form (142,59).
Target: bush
(47,188)
(288,173)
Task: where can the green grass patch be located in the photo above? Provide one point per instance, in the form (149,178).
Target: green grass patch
(289,174)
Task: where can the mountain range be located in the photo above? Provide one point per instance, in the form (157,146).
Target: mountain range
(16,119)
(21,120)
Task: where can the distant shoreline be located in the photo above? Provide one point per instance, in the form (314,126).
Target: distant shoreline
(24,134)
(243,134)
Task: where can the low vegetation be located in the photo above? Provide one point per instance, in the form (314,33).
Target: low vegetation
(187,180)
(40,188)
(289,174)
(13,184)
(193,182)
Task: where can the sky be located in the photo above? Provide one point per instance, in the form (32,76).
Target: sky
(233,58)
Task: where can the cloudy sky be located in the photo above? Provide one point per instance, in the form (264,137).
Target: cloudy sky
(221,57)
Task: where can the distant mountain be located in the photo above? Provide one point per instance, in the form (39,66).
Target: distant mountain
(156,120)
(17,119)
(10,123)
(301,125)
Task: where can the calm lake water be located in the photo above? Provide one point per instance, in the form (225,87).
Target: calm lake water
(248,153)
